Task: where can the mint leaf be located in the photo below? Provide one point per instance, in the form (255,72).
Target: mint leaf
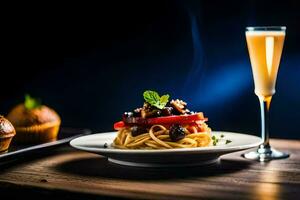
(31,103)
(151,97)
(164,99)
(154,99)
(159,105)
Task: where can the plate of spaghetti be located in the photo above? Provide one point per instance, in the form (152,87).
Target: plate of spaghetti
(164,133)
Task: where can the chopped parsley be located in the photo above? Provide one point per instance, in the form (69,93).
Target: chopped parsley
(228,141)
(216,140)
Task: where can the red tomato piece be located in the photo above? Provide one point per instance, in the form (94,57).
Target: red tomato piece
(173,119)
(119,125)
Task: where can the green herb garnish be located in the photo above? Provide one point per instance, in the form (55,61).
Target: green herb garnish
(31,103)
(216,140)
(155,100)
(228,141)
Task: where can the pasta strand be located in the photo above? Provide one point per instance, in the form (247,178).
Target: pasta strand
(158,138)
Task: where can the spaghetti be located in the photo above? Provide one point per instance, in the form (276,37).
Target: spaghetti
(158,138)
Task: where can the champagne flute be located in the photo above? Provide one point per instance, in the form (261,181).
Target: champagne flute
(265,46)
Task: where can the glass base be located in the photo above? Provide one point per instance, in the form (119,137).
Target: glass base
(265,154)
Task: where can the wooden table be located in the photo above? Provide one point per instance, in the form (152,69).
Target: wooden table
(75,174)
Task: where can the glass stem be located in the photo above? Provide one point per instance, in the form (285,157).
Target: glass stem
(264,110)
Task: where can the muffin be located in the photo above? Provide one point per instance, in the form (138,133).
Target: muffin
(34,122)
(7,132)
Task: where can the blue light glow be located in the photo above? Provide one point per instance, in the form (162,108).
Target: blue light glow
(205,87)
(220,86)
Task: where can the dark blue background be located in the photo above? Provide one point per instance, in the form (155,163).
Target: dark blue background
(92,62)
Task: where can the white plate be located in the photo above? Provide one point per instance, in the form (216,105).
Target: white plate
(100,143)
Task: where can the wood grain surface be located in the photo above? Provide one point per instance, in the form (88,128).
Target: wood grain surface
(73,174)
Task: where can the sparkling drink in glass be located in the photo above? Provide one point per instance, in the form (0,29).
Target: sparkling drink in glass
(265,46)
